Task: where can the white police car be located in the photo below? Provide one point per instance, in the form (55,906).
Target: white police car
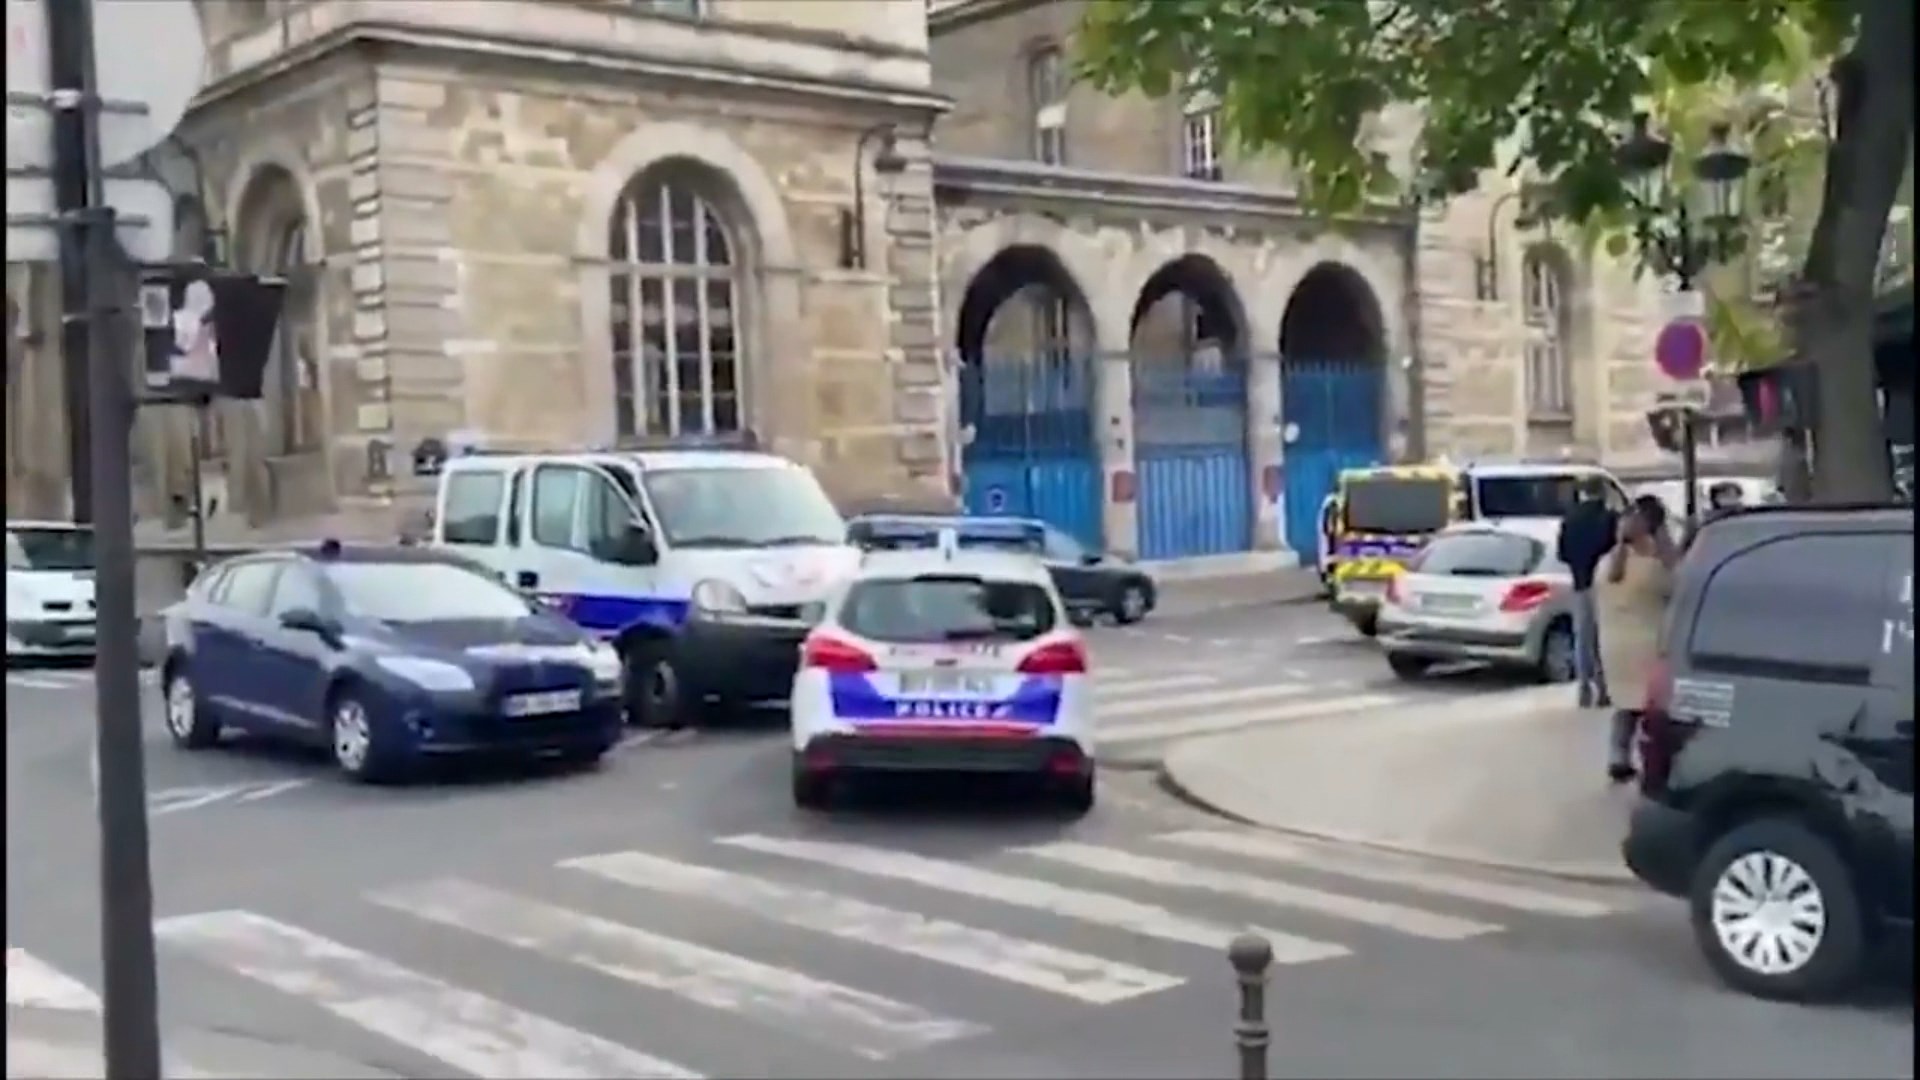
(705,568)
(946,660)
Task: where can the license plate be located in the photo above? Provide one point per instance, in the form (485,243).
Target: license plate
(1365,587)
(542,704)
(1449,603)
(945,683)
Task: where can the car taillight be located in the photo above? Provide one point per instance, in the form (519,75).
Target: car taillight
(1055,658)
(1394,592)
(834,655)
(1525,596)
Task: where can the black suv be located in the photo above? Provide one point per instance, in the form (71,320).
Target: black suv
(1777,746)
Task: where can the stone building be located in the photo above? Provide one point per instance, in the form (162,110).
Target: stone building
(1461,333)
(558,222)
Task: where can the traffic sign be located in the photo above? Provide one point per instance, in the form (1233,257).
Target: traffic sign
(1680,350)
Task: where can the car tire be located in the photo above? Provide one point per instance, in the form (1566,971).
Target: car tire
(1827,954)
(654,689)
(1408,667)
(1078,795)
(1368,624)
(1557,652)
(356,743)
(811,790)
(1130,605)
(188,723)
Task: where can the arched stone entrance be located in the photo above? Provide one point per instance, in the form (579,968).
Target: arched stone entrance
(1333,390)
(1189,365)
(1028,394)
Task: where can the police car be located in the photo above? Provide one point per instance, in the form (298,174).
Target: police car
(704,568)
(947,660)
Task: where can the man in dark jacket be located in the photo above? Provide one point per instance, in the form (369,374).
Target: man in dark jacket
(1587,532)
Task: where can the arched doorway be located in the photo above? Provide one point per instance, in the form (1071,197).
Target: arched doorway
(1188,347)
(1333,391)
(1027,394)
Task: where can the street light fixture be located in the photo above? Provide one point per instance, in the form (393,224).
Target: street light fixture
(1675,235)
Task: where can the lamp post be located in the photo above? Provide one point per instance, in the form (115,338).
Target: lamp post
(1682,228)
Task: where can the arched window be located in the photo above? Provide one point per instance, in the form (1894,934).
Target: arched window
(295,365)
(676,313)
(1549,355)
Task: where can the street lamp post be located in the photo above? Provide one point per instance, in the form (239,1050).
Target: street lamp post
(1682,229)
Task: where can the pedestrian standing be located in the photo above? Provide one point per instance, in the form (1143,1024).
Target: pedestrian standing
(1587,533)
(1631,596)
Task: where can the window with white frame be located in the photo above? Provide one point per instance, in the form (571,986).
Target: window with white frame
(1200,141)
(1549,356)
(1047,96)
(676,286)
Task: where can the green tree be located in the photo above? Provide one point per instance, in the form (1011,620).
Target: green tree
(1548,87)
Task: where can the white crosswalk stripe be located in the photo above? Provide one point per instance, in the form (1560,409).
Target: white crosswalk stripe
(963,944)
(65,678)
(1136,707)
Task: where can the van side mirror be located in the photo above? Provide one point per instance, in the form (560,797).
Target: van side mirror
(634,546)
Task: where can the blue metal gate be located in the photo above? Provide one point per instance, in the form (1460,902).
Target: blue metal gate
(1190,450)
(1032,452)
(1333,418)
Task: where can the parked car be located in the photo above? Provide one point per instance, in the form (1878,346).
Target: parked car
(49,590)
(1777,747)
(1093,583)
(386,656)
(1491,592)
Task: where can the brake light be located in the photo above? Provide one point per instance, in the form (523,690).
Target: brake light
(1067,657)
(1525,596)
(1394,594)
(834,655)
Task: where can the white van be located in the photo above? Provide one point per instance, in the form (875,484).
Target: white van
(705,568)
(49,589)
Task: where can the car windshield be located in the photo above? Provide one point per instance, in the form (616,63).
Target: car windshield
(947,609)
(1480,554)
(1546,496)
(913,536)
(1397,505)
(742,508)
(49,549)
(410,592)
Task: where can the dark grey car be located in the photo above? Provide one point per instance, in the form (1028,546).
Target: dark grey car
(1777,747)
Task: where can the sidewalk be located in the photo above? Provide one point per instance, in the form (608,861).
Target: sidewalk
(1512,780)
(48,1044)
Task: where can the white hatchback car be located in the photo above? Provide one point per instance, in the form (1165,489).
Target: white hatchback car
(944,661)
(1491,592)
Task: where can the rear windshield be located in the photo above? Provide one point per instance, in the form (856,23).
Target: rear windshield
(1395,505)
(1527,496)
(1480,554)
(870,537)
(947,609)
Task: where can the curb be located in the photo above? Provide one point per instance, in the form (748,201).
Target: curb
(1583,874)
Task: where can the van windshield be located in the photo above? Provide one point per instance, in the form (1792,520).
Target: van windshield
(1391,504)
(742,508)
(49,549)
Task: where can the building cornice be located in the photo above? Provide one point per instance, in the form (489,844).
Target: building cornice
(955,14)
(622,64)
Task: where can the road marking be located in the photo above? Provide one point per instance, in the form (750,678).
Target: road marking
(1129,686)
(30,1056)
(270,790)
(1168,872)
(1146,920)
(1076,975)
(1327,639)
(1233,719)
(840,1016)
(1276,849)
(1187,704)
(33,983)
(471,1032)
(173,800)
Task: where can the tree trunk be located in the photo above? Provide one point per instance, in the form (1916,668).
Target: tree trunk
(1866,161)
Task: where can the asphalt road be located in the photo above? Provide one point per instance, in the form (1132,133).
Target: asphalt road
(671,914)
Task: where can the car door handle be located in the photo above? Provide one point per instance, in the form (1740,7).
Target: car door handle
(527,579)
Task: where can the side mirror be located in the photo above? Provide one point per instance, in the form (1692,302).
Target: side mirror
(634,547)
(310,621)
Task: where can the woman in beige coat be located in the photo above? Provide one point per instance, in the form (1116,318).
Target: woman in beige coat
(1631,593)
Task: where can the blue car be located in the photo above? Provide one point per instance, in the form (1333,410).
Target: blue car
(387,656)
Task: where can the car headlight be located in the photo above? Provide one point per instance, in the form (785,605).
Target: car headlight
(434,675)
(716,597)
(605,663)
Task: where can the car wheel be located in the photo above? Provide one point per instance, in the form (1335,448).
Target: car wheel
(654,694)
(188,723)
(1776,912)
(811,789)
(1077,795)
(1368,624)
(1131,605)
(1556,654)
(1408,667)
(354,739)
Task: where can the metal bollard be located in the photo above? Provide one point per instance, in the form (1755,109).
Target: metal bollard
(1251,956)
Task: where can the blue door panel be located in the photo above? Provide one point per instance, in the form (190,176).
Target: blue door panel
(1032,452)
(1062,491)
(1194,501)
(1334,410)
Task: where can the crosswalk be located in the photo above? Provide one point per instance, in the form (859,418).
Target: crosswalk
(790,941)
(64,679)
(1157,705)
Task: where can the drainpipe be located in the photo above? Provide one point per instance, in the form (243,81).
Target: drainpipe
(1413,365)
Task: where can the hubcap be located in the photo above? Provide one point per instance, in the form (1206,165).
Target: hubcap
(351,736)
(1768,913)
(660,686)
(1133,603)
(180,706)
